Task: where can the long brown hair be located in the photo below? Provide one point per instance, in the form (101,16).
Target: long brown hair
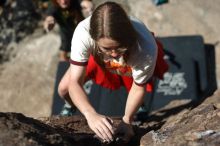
(110,20)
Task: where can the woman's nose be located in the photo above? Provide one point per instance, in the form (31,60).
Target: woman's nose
(114,54)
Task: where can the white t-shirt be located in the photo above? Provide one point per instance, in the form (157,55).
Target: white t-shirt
(140,64)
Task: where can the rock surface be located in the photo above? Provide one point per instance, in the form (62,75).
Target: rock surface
(192,125)
(28,59)
(17,20)
(184,124)
(27,78)
(35,57)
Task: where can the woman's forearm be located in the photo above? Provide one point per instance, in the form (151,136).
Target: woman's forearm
(76,91)
(134,101)
(100,124)
(80,99)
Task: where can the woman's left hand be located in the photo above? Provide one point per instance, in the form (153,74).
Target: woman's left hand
(124,131)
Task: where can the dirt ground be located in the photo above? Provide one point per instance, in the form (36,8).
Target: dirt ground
(27,80)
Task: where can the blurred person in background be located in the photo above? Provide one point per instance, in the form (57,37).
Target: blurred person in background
(67,14)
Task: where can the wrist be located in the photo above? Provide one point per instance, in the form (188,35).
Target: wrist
(88,113)
(127,119)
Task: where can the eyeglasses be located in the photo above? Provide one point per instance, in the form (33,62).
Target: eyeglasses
(109,51)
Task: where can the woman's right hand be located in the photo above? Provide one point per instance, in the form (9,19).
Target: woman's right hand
(101,125)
